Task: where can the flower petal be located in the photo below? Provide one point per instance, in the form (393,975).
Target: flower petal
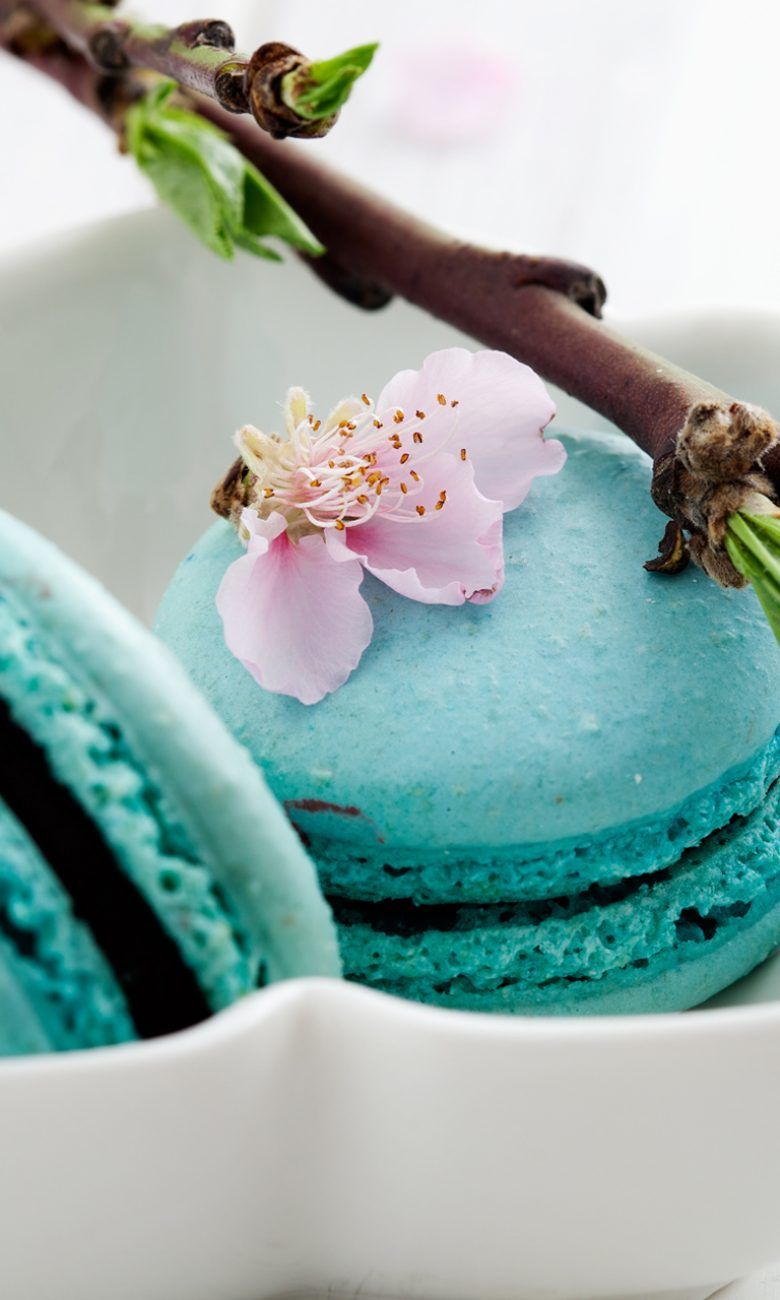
(493,541)
(502,408)
(296,408)
(349,408)
(293,614)
(447,555)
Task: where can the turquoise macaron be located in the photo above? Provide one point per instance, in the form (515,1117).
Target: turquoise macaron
(147,876)
(562,801)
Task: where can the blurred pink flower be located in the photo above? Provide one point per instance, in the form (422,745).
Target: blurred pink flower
(413,490)
(452,92)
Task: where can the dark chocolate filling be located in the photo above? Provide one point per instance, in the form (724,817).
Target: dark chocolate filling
(162,993)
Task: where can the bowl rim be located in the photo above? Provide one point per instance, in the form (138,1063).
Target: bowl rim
(313,995)
(318,999)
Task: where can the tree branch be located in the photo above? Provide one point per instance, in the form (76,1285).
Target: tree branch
(200,56)
(541,310)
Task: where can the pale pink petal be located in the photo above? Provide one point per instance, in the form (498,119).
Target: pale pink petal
(493,541)
(349,408)
(293,614)
(297,406)
(502,408)
(257,533)
(444,557)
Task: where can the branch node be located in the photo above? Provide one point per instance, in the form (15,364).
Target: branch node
(207,31)
(106,47)
(230,86)
(714,469)
(673,553)
(363,293)
(266,69)
(573,280)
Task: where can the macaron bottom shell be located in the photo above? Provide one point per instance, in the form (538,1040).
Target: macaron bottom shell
(665,942)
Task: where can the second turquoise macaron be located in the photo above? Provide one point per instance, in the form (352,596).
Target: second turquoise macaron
(563,801)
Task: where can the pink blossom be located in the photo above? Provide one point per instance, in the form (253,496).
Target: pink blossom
(412,489)
(463,91)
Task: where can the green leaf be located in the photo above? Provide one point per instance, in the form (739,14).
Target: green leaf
(187,189)
(266,213)
(320,89)
(200,174)
(753,545)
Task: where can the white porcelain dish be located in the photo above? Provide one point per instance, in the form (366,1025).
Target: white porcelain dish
(320,1137)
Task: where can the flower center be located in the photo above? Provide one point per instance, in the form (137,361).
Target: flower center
(359,464)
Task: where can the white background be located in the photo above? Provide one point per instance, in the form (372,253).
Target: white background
(638,137)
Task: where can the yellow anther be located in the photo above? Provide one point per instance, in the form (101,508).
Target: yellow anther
(340,525)
(441,399)
(420,510)
(420,415)
(463,453)
(366,400)
(417,436)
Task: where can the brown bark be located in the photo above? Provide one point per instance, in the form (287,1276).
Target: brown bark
(200,56)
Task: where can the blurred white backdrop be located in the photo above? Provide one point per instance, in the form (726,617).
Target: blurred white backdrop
(636,135)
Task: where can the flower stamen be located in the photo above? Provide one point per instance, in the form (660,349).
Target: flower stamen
(317,483)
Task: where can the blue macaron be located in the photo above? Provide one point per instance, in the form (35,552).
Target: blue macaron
(563,801)
(147,875)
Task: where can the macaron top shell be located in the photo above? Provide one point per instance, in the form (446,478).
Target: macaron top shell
(587,697)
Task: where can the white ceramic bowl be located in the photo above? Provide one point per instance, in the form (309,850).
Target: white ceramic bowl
(319,1135)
